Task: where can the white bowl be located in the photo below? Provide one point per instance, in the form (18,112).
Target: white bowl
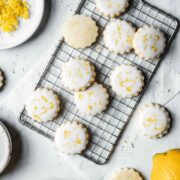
(5,147)
(26,27)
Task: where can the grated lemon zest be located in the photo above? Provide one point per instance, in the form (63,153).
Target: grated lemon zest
(10,12)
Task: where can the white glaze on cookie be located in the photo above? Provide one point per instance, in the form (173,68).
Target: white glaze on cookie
(43,105)
(77,74)
(127,81)
(124,174)
(111,7)
(71,138)
(118,36)
(149,43)
(80,31)
(93,100)
(154,120)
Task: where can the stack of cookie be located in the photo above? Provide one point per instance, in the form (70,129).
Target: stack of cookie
(78,76)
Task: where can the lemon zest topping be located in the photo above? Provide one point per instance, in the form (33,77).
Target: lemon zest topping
(66,133)
(129,89)
(116,42)
(145,39)
(78,141)
(80,96)
(152,120)
(44,98)
(89,107)
(36,117)
(129,40)
(90,93)
(158,129)
(51,105)
(154,48)
(35,108)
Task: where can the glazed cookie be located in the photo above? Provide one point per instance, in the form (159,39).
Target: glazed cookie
(155,120)
(112,8)
(1,79)
(124,174)
(93,100)
(149,43)
(71,138)
(118,36)
(78,74)
(80,31)
(127,81)
(43,105)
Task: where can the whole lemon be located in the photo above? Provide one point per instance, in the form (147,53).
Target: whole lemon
(166,166)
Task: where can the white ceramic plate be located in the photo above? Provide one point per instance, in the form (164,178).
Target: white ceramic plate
(5,147)
(26,27)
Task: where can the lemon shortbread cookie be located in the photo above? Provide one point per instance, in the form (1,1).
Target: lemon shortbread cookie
(118,36)
(1,79)
(155,120)
(124,174)
(127,81)
(71,138)
(149,42)
(43,105)
(78,74)
(112,8)
(93,100)
(80,31)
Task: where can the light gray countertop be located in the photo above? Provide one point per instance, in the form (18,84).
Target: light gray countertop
(34,156)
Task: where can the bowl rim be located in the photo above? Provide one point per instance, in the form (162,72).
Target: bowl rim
(34,29)
(9,143)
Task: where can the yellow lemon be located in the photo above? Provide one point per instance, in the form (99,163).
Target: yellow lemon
(166,166)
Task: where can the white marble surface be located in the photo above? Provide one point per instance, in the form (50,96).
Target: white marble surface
(34,156)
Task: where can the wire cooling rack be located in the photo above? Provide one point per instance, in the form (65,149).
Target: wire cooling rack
(106,128)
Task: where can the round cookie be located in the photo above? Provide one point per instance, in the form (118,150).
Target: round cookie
(92,101)
(127,81)
(80,31)
(124,174)
(71,138)
(43,105)
(155,120)
(111,8)
(1,79)
(78,74)
(149,43)
(118,36)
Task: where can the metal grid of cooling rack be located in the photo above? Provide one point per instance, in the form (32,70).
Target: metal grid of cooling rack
(106,128)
